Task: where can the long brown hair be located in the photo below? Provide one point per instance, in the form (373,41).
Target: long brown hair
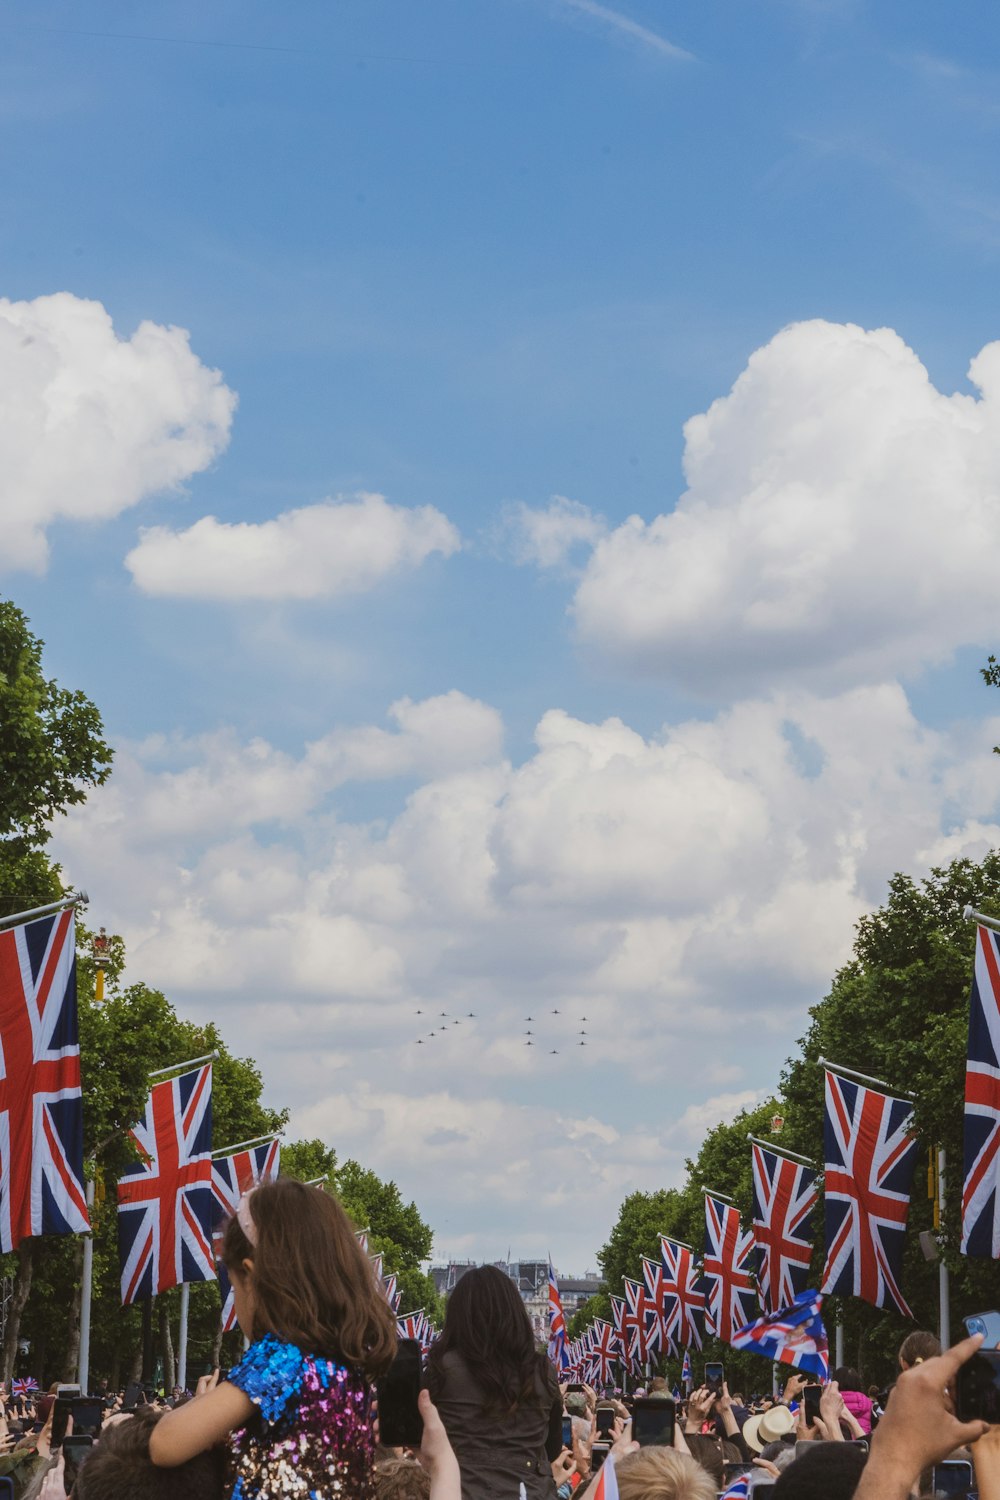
(486,1323)
(313,1285)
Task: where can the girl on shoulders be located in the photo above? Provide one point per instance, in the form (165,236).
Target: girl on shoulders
(297,1409)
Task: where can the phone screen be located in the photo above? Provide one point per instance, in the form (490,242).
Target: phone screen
(953,1477)
(977,1388)
(567,1433)
(810,1401)
(399,1421)
(605,1420)
(598,1453)
(133,1394)
(6,1488)
(653,1423)
(87,1416)
(60,1417)
(715,1375)
(77,1449)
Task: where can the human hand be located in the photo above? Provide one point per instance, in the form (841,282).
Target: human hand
(700,1403)
(621,1436)
(768,1467)
(563,1467)
(435,1453)
(207,1383)
(831,1409)
(919,1427)
(54,1483)
(794,1386)
(725,1401)
(44,1444)
(986,1460)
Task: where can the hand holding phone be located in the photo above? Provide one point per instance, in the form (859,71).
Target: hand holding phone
(653,1421)
(400,1424)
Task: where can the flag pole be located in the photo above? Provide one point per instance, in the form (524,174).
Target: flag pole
(86,1295)
(879,1083)
(71,898)
(782,1151)
(258,1140)
(182,1342)
(711,1193)
(971,915)
(179,1067)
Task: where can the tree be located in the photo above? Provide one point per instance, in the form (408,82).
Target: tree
(51,739)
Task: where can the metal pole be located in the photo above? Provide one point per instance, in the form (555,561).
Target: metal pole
(879,1083)
(182,1342)
(257,1140)
(73,898)
(944,1307)
(782,1151)
(83,1362)
(838,1345)
(970,915)
(147,1339)
(178,1067)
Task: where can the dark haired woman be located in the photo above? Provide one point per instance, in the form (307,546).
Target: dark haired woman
(297,1408)
(498,1397)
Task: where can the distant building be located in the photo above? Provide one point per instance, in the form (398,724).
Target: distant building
(532,1280)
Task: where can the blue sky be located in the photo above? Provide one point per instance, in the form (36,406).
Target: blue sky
(472,256)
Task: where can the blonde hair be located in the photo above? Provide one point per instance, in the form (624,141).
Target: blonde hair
(663,1474)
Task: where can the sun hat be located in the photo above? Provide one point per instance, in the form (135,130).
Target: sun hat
(768,1427)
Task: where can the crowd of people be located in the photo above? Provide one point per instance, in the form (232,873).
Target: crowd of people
(299,1416)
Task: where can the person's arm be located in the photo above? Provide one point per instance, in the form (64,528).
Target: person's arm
(831,1409)
(437,1455)
(986,1461)
(794,1386)
(700,1403)
(919,1427)
(724,1406)
(199,1424)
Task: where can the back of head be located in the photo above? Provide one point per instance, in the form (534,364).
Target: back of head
(402,1479)
(663,1474)
(918,1347)
(120,1468)
(485,1322)
(827,1471)
(313,1285)
(708,1453)
(847,1378)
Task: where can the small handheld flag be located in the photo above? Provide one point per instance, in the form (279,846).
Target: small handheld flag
(738,1490)
(794,1336)
(686,1374)
(607,1481)
(557,1325)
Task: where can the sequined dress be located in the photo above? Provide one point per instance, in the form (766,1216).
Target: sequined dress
(311,1435)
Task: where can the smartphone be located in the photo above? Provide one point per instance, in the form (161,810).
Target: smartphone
(734,1471)
(133,1396)
(598,1453)
(810,1402)
(77,1448)
(88,1414)
(6,1488)
(605,1421)
(653,1422)
(60,1417)
(953,1477)
(986,1323)
(576,1386)
(977,1387)
(715,1375)
(400,1424)
(567,1433)
(68,1390)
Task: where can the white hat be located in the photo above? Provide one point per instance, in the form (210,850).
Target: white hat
(768,1427)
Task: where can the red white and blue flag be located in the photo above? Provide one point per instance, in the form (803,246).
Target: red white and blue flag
(870,1155)
(793,1336)
(687,1375)
(606,1487)
(557,1324)
(602,1352)
(784,1196)
(730,1299)
(166,1204)
(638,1314)
(232,1176)
(41,1111)
(392,1296)
(416,1325)
(980,1195)
(685,1294)
(656,1302)
(738,1490)
(26,1387)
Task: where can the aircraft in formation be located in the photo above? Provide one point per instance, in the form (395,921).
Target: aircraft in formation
(530,1037)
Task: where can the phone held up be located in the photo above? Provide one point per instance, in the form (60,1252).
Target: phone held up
(400,1424)
(977,1384)
(715,1377)
(653,1422)
(605,1420)
(811,1395)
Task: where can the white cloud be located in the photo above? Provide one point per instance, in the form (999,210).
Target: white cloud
(318,551)
(688,892)
(625,26)
(548,537)
(842,517)
(91,423)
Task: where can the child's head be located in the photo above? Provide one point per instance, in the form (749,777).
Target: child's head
(120,1468)
(402,1479)
(298,1272)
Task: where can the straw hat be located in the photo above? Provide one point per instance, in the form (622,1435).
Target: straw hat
(768,1427)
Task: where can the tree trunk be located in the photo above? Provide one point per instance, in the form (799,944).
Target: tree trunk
(217,1346)
(22,1287)
(167,1347)
(71,1360)
(135,1369)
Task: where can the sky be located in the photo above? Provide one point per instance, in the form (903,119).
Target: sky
(521,480)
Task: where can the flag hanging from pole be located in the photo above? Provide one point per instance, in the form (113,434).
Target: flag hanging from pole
(730,1300)
(41,1107)
(870,1155)
(557,1324)
(784,1196)
(232,1176)
(686,1373)
(165,1201)
(685,1294)
(793,1336)
(980,1195)
(657,1297)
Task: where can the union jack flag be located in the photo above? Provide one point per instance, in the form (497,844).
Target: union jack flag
(870,1156)
(41,1112)
(738,1490)
(392,1296)
(603,1352)
(165,1202)
(26,1387)
(687,1374)
(784,1196)
(635,1323)
(793,1336)
(980,1198)
(686,1310)
(618,1324)
(416,1325)
(361,1235)
(730,1300)
(657,1294)
(232,1176)
(557,1324)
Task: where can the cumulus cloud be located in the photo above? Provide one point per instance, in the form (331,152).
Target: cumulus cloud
(841,517)
(689,892)
(90,422)
(342,546)
(548,537)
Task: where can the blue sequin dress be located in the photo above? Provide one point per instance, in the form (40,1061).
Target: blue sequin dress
(311,1435)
